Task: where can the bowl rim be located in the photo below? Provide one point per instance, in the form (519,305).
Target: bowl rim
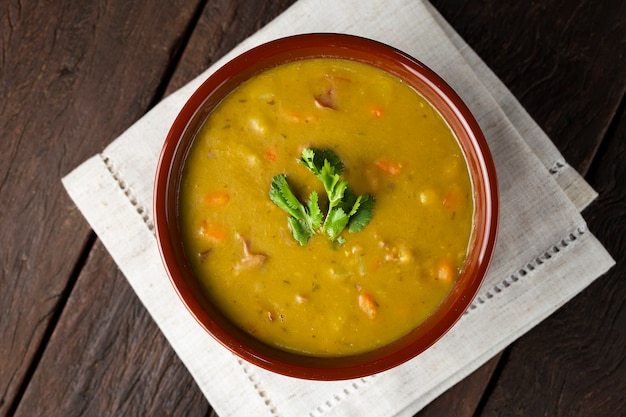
(326,45)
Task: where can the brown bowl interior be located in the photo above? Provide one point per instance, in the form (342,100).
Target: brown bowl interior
(440,95)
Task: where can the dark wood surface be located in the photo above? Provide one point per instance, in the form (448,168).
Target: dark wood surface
(74,338)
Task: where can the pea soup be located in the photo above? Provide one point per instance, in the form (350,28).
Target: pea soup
(327,296)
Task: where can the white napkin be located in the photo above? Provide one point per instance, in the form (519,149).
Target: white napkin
(545,254)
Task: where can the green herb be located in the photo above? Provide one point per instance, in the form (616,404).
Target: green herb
(344,209)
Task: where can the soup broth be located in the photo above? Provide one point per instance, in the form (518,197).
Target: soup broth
(326,298)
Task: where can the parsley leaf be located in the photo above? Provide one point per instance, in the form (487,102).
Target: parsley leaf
(300,230)
(283,197)
(335,222)
(363,211)
(345,209)
(315,213)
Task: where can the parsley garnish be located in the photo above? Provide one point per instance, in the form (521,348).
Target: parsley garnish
(344,209)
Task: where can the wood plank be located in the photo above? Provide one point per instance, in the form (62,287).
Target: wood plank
(223,25)
(563,60)
(544,53)
(463,399)
(73,75)
(107,357)
(558,51)
(573,363)
(222,41)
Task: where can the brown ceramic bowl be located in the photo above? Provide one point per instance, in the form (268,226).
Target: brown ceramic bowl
(433,88)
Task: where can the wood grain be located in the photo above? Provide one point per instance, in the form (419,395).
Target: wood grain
(106,356)
(554,58)
(573,364)
(563,60)
(222,26)
(73,75)
(463,399)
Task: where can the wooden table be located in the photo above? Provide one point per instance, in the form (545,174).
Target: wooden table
(75,340)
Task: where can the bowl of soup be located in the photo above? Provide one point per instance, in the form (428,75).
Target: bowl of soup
(326,206)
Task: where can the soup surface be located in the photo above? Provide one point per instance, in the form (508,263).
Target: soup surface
(326,298)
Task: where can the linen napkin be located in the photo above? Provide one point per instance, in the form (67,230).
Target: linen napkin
(545,254)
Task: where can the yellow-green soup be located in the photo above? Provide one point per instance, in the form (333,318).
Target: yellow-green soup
(326,298)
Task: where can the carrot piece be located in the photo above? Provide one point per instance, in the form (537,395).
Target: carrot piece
(217,198)
(293,116)
(299,117)
(213,231)
(445,270)
(389,167)
(270,155)
(376,265)
(368,305)
(453,197)
(377,111)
